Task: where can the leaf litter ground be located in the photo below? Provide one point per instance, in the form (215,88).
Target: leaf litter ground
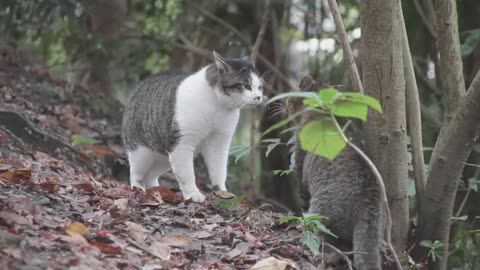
(60,207)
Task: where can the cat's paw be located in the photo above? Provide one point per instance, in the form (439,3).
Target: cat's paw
(196,197)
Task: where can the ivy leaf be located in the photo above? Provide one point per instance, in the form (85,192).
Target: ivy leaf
(328,96)
(311,240)
(360,98)
(347,108)
(322,138)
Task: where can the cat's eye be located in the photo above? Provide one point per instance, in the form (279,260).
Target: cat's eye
(248,87)
(260,88)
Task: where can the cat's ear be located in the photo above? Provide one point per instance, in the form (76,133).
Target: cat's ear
(248,59)
(220,62)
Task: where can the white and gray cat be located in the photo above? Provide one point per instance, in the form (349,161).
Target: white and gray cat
(173,116)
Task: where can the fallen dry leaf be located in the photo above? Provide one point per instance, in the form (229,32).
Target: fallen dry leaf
(17,176)
(201,234)
(272,263)
(175,240)
(165,195)
(224,194)
(12,218)
(100,151)
(77,227)
(5,167)
(107,249)
(161,250)
(74,238)
(116,193)
(84,186)
(121,203)
(14,252)
(49,186)
(232,254)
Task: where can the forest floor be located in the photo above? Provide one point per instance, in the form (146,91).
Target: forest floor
(63,204)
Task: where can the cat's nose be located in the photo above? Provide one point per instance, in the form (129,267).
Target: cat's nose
(257,98)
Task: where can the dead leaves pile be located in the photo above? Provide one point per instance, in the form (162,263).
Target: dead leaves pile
(56,215)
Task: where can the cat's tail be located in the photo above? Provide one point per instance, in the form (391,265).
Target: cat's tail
(367,240)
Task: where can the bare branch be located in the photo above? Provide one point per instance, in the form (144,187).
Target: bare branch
(339,252)
(425,20)
(261,32)
(253,123)
(347,50)
(414,120)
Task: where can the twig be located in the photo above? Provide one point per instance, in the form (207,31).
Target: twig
(464,201)
(347,50)
(339,252)
(253,123)
(378,176)
(140,246)
(425,20)
(414,120)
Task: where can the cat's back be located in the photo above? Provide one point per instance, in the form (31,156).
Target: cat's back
(345,190)
(149,115)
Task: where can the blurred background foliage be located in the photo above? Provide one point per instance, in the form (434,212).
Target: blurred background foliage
(108,46)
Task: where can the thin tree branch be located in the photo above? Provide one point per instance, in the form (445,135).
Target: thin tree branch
(425,20)
(253,123)
(414,120)
(347,50)
(339,252)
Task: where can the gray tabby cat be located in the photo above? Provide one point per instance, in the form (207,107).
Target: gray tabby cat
(173,116)
(344,190)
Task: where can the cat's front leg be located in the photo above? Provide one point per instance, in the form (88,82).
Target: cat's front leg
(181,160)
(215,154)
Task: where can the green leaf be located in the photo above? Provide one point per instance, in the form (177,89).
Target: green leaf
(270,147)
(307,217)
(320,227)
(80,140)
(285,219)
(291,94)
(328,96)
(360,98)
(284,122)
(322,138)
(313,102)
(312,241)
(347,108)
(272,140)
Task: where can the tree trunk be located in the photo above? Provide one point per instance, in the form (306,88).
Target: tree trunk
(451,67)
(383,79)
(106,23)
(446,165)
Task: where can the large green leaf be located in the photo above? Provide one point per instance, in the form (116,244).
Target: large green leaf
(311,240)
(322,138)
(291,94)
(328,96)
(471,42)
(360,98)
(348,108)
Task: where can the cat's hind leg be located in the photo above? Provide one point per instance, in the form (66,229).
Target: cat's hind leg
(160,166)
(141,161)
